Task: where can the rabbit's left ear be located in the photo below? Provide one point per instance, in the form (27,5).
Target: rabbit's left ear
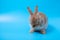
(29,10)
(36,9)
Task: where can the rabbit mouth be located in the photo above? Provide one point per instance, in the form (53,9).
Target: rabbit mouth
(35,25)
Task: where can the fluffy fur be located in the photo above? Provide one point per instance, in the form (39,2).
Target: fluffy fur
(38,21)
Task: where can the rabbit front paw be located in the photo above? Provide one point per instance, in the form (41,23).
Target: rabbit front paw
(32,30)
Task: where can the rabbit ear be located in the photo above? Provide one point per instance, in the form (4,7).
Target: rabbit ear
(36,9)
(29,10)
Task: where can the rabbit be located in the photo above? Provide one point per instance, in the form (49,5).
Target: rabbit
(38,21)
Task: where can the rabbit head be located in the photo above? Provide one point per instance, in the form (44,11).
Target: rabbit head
(33,16)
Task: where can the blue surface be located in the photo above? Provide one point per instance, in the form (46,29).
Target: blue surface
(14,19)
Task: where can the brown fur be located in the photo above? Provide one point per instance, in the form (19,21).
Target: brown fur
(34,18)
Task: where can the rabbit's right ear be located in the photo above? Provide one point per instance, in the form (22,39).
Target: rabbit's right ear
(36,9)
(29,10)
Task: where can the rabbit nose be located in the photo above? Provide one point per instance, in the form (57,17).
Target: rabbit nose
(33,25)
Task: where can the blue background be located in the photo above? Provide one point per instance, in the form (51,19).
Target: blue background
(14,19)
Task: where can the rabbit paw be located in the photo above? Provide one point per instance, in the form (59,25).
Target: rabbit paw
(32,30)
(43,31)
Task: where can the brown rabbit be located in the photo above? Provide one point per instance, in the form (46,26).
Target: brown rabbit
(38,21)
